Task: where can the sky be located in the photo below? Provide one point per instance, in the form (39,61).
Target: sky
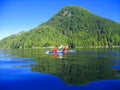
(24,15)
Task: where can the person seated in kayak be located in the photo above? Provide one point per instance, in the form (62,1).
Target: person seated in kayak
(55,50)
(65,49)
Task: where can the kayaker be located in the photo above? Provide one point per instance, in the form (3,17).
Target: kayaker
(65,49)
(55,50)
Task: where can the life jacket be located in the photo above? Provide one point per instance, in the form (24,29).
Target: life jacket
(55,50)
(65,49)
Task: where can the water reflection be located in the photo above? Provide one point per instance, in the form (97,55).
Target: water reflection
(77,69)
(60,55)
(55,55)
(74,69)
(15,72)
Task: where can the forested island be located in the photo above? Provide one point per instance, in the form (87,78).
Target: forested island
(73,26)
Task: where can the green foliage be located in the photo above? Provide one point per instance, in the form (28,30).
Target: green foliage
(72,26)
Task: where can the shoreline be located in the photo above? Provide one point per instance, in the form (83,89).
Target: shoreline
(99,47)
(50,47)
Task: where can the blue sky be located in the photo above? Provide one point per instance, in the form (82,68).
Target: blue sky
(23,15)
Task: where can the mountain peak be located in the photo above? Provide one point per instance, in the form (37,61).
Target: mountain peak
(69,10)
(74,7)
(72,26)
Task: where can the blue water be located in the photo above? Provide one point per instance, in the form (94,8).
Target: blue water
(16,74)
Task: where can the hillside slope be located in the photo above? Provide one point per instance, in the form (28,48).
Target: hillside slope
(72,26)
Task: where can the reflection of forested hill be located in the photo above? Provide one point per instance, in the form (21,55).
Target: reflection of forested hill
(71,24)
(78,70)
(81,68)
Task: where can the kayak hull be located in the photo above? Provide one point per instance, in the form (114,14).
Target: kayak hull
(60,52)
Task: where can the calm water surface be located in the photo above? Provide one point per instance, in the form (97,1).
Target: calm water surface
(32,69)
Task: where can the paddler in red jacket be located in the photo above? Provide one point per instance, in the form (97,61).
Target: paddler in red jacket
(55,50)
(65,49)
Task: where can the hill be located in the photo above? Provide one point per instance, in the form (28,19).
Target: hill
(72,26)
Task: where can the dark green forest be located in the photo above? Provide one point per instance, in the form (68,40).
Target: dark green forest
(73,26)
